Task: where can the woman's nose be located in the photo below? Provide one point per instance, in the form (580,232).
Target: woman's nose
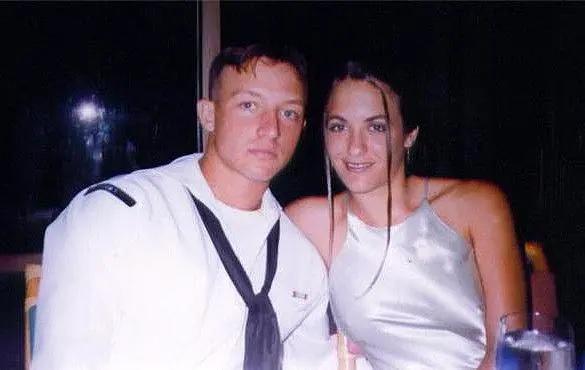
(357,143)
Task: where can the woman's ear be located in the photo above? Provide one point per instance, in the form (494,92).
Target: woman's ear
(206,114)
(411,138)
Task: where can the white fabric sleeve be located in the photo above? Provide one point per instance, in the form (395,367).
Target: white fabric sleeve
(76,313)
(362,364)
(310,347)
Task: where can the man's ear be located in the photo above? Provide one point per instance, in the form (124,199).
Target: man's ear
(411,138)
(206,114)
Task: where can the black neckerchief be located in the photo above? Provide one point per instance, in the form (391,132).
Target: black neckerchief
(263,348)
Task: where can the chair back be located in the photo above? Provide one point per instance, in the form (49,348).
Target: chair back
(542,280)
(32,275)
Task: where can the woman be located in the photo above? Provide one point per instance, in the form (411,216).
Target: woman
(420,268)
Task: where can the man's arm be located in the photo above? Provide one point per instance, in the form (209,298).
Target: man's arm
(310,346)
(77,305)
(324,351)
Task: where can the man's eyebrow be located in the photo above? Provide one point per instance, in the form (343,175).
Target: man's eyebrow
(295,101)
(257,95)
(243,92)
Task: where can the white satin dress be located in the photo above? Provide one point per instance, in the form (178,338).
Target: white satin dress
(425,311)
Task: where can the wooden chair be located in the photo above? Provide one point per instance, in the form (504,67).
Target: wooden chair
(346,359)
(543,292)
(29,264)
(32,274)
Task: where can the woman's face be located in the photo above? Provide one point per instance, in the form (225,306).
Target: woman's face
(356,130)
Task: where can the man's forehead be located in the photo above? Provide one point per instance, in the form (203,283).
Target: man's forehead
(250,65)
(261,70)
(253,67)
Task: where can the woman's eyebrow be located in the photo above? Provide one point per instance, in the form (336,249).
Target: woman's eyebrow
(376,117)
(336,117)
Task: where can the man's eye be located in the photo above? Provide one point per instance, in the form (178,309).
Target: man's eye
(248,105)
(292,115)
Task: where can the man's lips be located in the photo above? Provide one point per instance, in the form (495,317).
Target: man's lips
(263,153)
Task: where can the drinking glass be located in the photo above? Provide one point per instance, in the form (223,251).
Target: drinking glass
(534,341)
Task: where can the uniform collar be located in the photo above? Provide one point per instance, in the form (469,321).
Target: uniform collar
(188,171)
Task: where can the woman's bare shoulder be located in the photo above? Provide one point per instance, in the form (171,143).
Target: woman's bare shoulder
(312,216)
(315,208)
(465,205)
(308,209)
(464,191)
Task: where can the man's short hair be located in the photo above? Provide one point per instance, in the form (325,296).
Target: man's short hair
(241,58)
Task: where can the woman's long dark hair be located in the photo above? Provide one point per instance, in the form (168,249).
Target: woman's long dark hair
(353,70)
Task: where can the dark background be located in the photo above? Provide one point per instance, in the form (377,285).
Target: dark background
(135,61)
(503,97)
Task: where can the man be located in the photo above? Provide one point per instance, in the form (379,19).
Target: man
(193,265)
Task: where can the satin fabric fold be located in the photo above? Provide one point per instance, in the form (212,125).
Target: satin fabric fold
(425,311)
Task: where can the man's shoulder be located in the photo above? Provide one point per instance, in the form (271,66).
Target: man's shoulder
(301,263)
(132,193)
(168,177)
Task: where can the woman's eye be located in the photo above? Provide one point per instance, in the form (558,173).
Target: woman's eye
(378,127)
(248,106)
(335,126)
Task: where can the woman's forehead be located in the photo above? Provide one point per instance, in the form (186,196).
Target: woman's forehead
(351,93)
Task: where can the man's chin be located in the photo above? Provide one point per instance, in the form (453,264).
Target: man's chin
(260,176)
(264,172)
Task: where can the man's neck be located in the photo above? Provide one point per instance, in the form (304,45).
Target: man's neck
(230,187)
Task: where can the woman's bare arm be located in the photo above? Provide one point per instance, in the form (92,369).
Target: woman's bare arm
(491,230)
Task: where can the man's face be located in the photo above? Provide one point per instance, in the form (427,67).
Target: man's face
(258,116)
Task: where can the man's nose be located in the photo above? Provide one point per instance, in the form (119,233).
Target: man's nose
(270,124)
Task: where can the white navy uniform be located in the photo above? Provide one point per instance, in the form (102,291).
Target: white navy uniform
(134,282)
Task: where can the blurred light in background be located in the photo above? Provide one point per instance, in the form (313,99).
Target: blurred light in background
(88,112)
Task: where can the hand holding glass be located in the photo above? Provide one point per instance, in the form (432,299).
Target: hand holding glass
(534,341)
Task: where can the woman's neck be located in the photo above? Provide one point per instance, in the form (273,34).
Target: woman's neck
(372,207)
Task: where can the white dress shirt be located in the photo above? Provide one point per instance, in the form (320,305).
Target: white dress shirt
(142,287)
